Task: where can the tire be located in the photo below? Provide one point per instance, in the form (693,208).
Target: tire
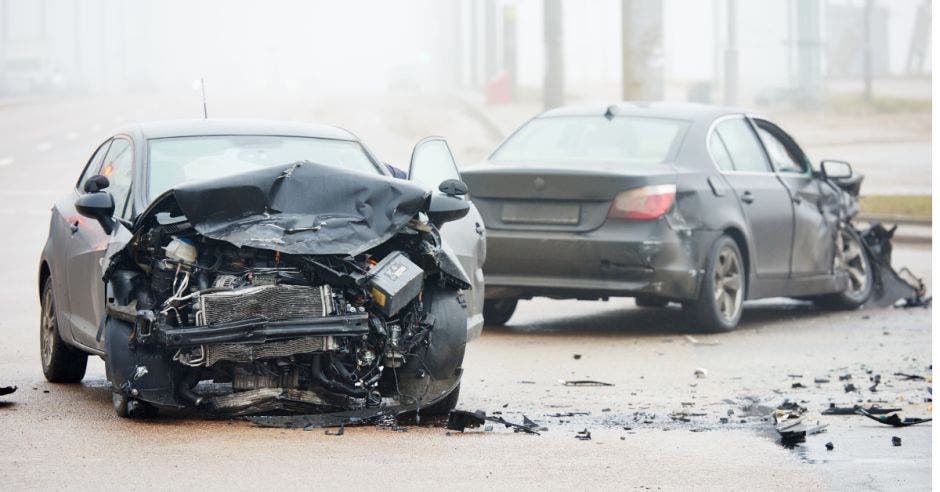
(496,312)
(445,405)
(851,258)
(721,296)
(650,302)
(61,363)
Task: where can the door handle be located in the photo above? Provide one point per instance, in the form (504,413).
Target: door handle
(73,227)
(747,197)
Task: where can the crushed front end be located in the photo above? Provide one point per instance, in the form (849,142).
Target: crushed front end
(208,307)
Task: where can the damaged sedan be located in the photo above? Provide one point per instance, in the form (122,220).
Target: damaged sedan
(246,268)
(685,203)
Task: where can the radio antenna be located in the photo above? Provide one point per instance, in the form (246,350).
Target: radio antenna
(205,111)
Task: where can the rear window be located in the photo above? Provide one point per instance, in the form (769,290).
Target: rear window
(565,140)
(175,160)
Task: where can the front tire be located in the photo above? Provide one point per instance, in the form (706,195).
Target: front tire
(61,363)
(721,297)
(496,312)
(852,259)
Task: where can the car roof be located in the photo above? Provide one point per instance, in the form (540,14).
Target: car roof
(195,127)
(683,111)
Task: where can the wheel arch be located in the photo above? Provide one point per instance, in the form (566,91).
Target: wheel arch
(735,234)
(44,273)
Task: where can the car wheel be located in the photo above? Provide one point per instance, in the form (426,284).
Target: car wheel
(445,405)
(850,258)
(496,312)
(650,302)
(60,362)
(721,297)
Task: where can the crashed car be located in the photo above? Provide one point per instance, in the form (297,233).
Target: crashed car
(701,205)
(245,268)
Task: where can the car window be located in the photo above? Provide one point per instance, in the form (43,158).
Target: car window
(174,160)
(745,151)
(573,140)
(94,165)
(720,153)
(785,156)
(118,168)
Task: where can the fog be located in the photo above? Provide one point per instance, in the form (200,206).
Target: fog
(319,48)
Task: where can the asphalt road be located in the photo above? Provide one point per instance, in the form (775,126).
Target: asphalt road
(68,436)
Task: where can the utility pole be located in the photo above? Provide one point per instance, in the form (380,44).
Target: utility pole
(553,88)
(457,51)
(731,55)
(641,34)
(489,40)
(866,49)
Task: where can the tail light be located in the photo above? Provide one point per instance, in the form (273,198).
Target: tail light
(646,203)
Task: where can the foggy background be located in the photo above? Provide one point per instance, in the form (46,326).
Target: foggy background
(393,72)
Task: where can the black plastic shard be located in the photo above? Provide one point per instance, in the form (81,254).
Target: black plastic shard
(585,382)
(584,435)
(460,420)
(6,390)
(893,420)
(874,410)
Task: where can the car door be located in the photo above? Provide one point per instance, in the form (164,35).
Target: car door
(813,232)
(88,244)
(432,163)
(764,199)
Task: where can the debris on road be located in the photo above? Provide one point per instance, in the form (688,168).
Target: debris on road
(341,431)
(6,390)
(793,433)
(850,388)
(845,377)
(576,356)
(701,372)
(894,420)
(895,440)
(569,414)
(460,420)
(797,385)
(903,376)
(877,380)
(891,288)
(829,446)
(583,382)
(584,435)
(853,410)
(821,380)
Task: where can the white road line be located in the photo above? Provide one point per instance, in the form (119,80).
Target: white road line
(6,161)
(43,146)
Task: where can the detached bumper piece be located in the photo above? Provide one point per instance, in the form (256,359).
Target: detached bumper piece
(261,330)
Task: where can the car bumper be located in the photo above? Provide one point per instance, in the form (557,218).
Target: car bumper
(621,258)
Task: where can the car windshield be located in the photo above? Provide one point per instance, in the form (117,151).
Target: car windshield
(565,140)
(174,160)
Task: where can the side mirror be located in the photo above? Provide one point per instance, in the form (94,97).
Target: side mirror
(99,206)
(446,208)
(96,183)
(835,169)
(453,187)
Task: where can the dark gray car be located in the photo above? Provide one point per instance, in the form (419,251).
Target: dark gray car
(279,260)
(700,205)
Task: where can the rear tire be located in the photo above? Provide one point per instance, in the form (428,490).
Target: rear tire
(851,258)
(721,296)
(496,312)
(444,406)
(650,302)
(61,363)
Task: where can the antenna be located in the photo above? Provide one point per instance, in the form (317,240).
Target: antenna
(205,111)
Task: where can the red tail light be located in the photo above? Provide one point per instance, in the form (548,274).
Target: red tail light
(646,203)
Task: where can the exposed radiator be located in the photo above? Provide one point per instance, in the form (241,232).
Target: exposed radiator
(245,352)
(270,302)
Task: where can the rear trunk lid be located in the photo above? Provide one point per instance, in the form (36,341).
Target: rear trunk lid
(525,197)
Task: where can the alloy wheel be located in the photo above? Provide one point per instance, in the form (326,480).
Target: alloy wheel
(850,259)
(728,292)
(47,328)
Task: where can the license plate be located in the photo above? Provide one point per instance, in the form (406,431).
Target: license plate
(541,213)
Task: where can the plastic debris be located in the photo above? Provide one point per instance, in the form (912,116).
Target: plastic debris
(894,420)
(701,372)
(829,446)
(821,380)
(460,420)
(895,440)
(904,377)
(850,388)
(6,390)
(576,356)
(584,435)
(853,410)
(797,385)
(584,382)
(877,380)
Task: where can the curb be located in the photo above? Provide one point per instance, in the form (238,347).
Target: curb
(894,219)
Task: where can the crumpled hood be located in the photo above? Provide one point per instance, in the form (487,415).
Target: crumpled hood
(302,208)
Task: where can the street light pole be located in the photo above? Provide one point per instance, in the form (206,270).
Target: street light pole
(731,55)
(554,83)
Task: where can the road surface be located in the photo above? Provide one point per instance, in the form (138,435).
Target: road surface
(68,436)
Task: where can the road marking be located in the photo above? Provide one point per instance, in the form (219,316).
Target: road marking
(43,146)
(6,161)
(71,135)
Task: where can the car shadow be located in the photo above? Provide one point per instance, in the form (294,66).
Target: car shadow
(636,321)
